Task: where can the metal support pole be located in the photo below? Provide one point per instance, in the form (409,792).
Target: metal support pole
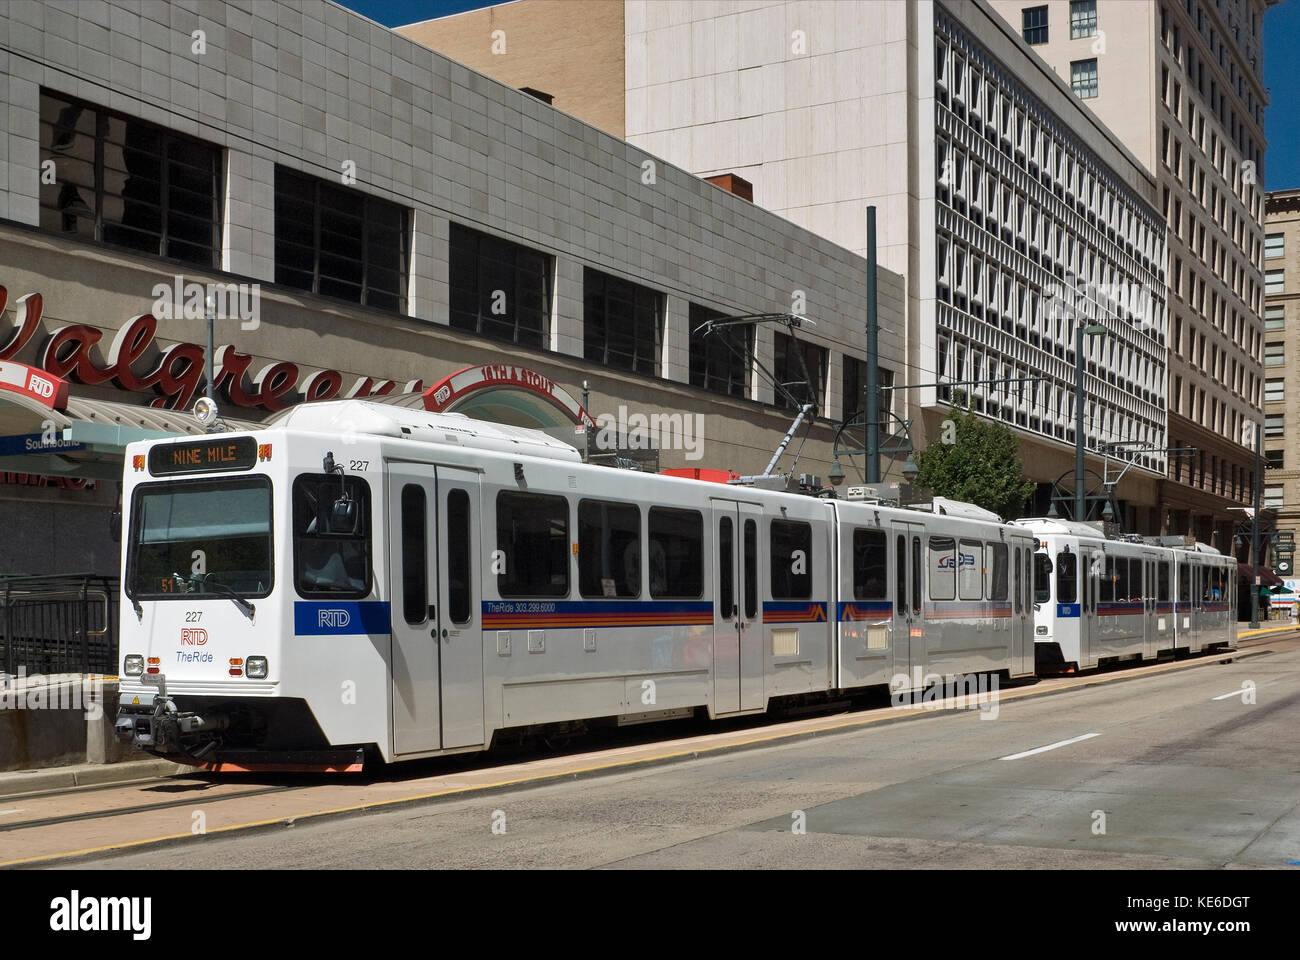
(871,406)
(1254,535)
(1080,500)
(210,314)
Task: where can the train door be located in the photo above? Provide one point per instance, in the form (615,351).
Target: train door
(460,640)
(738,609)
(437,666)
(412,500)
(1022,630)
(1091,562)
(908,627)
(1150,596)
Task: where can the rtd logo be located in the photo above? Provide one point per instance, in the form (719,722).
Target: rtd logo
(333,618)
(194,636)
(40,386)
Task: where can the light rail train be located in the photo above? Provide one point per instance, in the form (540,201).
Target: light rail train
(366,579)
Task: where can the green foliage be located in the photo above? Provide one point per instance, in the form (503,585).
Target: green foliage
(981,465)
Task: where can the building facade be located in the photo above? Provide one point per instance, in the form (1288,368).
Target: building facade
(1181,83)
(1282,359)
(1010,209)
(376,217)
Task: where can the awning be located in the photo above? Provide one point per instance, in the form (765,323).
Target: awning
(1267,578)
(87,438)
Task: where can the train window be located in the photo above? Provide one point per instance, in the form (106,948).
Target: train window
(1106,589)
(460,563)
(943,568)
(331,548)
(1042,578)
(676,554)
(726,567)
(1137,585)
(916,575)
(998,571)
(791,555)
(1162,581)
(1067,578)
(533,537)
(870,573)
(751,569)
(609,549)
(1029,577)
(970,570)
(415,551)
(1184,583)
(900,575)
(1122,587)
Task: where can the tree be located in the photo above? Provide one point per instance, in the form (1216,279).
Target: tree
(979,463)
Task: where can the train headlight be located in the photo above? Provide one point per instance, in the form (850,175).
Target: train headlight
(133,665)
(1041,631)
(256,668)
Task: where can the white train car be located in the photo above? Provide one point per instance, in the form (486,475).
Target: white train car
(1100,600)
(366,578)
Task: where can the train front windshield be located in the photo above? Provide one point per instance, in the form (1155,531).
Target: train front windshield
(220,529)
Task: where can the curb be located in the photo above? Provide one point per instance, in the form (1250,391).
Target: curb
(20,782)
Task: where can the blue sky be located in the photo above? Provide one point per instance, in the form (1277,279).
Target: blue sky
(1281,72)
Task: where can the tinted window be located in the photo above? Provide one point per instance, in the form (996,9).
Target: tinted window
(791,556)
(533,537)
(870,573)
(726,567)
(1042,578)
(676,553)
(970,570)
(609,549)
(998,571)
(1067,585)
(751,569)
(331,541)
(459,558)
(415,572)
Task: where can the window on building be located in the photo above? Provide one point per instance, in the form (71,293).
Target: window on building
(1274,245)
(339,242)
(1273,496)
(1274,317)
(1274,390)
(1033,21)
(124,182)
(1274,460)
(1274,424)
(806,380)
(499,290)
(622,323)
(721,361)
(1083,18)
(1274,281)
(1274,354)
(853,387)
(1083,78)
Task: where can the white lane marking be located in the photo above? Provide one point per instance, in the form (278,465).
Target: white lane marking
(1235,693)
(3,812)
(1051,746)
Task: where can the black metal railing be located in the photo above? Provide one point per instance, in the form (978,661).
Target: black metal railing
(65,623)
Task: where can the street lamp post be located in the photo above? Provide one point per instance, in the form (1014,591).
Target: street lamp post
(1080,497)
(1254,530)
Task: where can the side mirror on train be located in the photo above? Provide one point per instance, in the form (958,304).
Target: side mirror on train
(343,515)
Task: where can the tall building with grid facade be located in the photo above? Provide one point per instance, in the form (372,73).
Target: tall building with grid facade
(1012,211)
(1281,490)
(1181,84)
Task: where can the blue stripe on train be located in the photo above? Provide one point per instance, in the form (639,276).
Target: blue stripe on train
(1067,610)
(338,618)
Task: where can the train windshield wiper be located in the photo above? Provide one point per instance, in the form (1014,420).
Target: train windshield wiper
(205,580)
